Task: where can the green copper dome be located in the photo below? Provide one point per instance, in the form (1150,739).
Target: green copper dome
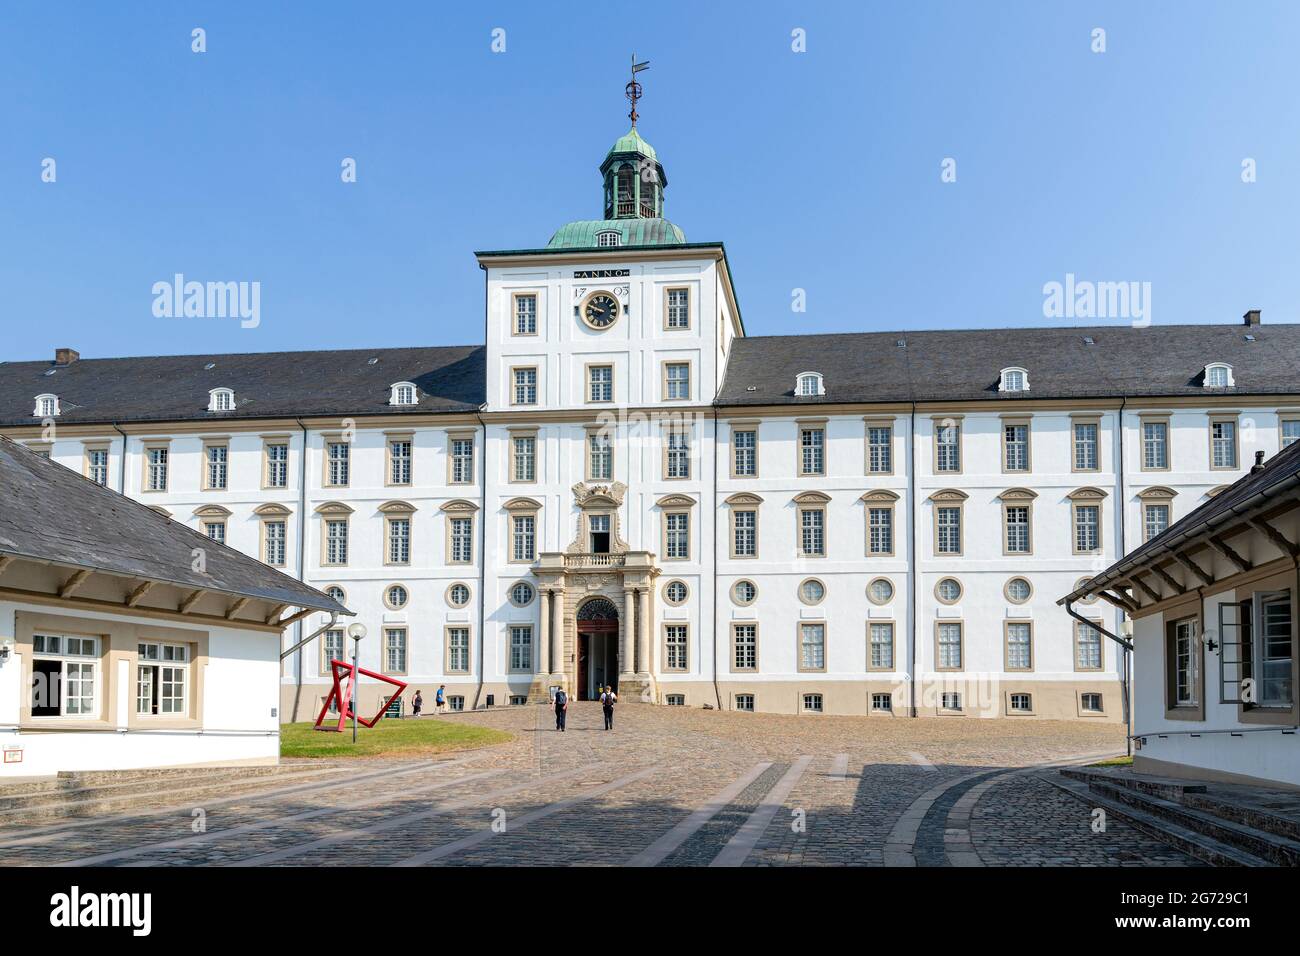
(585,233)
(631,142)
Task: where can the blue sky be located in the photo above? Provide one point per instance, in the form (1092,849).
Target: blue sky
(820,170)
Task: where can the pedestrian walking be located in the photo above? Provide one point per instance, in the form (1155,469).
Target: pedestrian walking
(561,708)
(607,701)
(440,699)
(417,704)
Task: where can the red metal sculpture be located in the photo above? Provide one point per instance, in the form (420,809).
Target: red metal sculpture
(340,695)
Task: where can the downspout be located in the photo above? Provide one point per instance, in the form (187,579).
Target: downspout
(912,559)
(482,531)
(1126,657)
(717,691)
(302,563)
(121,477)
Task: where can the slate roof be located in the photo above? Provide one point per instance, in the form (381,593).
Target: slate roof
(964,365)
(266,385)
(1279,476)
(48,512)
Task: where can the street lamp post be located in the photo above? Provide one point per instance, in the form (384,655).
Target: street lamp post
(355,631)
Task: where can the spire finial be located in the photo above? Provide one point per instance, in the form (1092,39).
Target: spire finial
(633,88)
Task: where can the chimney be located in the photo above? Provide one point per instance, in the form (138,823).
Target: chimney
(1251,317)
(66,356)
(1259,463)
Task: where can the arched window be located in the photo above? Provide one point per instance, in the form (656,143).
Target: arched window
(626,194)
(1218,375)
(608,238)
(403,393)
(598,609)
(221,400)
(47,406)
(1014,380)
(809,383)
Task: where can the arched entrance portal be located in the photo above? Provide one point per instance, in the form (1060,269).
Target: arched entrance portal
(597,622)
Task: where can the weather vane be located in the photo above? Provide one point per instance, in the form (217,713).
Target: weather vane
(633,88)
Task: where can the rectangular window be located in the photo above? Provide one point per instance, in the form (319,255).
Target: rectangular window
(1085,446)
(462,461)
(679,454)
(336,541)
(97,465)
(881,647)
(812,532)
(679,308)
(812,703)
(1155,519)
(399,461)
(812,647)
(744,445)
(462,540)
(1223,444)
(675,647)
(161,671)
(524,467)
(395,650)
(812,451)
(521,647)
(525,315)
(598,528)
(1087,528)
(1290,432)
(600,383)
(273,536)
(746,533)
(399,540)
(950,700)
(1273,649)
(1017,521)
(338,459)
(744,639)
(216,459)
(156,470)
(1090,703)
(525,537)
(600,452)
(456,702)
(1184,660)
(1021,703)
(880,524)
(880,449)
(1020,654)
(65,676)
(677,378)
(216,530)
(675,700)
(745,702)
(332,648)
(948,529)
(525,391)
(950,647)
(458,649)
(678,535)
(948,447)
(882,702)
(277,465)
(1087,647)
(1155,445)
(1016,446)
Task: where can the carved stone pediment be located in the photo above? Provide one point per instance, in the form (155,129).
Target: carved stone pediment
(1018,494)
(333,508)
(949,494)
(879,496)
(397,507)
(611,494)
(274,509)
(459,506)
(812,498)
(1157,492)
(212,511)
(522,504)
(676,501)
(744,498)
(598,499)
(1086,494)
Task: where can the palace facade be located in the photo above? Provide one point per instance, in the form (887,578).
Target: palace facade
(620,486)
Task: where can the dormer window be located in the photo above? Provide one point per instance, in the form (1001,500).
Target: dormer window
(221,400)
(608,238)
(1014,380)
(403,393)
(1218,375)
(809,383)
(47,406)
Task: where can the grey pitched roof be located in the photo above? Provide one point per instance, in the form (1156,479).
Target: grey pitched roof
(48,512)
(1279,477)
(964,365)
(266,384)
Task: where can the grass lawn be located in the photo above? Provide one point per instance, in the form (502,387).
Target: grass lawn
(1114,762)
(388,738)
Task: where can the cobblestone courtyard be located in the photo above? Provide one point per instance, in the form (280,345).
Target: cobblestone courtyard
(666,787)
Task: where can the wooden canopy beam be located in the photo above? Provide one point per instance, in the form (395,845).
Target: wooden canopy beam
(136,596)
(191,599)
(74,583)
(1165,576)
(1278,539)
(1182,558)
(1221,546)
(1153,595)
(235,608)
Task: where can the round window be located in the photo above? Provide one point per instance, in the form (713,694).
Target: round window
(458,595)
(336,593)
(812,591)
(1080,583)
(744,592)
(521,594)
(675,592)
(948,590)
(1019,590)
(395,597)
(880,591)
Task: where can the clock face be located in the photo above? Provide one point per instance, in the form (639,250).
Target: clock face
(600,311)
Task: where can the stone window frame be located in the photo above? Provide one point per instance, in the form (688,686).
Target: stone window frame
(596,431)
(893,645)
(1155,495)
(868,423)
(334,511)
(758,645)
(1006,589)
(690,307)
(210,442)
(753,701)
(323,658)
(1223,418)
(268,441)
(1010,695)
(749,502)
(1081,711)
(667,429)
(390,438)
(676,504)
(587,369)
(948,498)
(880,499)
(961,590)
(272,512)
(663,650)
(798,645)
(510,593)
(406,649)
(803,698)
(1087,419)
(517,508)
(510,628)
(1086,497)
(1016,421)
(453,436)
(515,385)
(147,447)
(391,605)
(446,595)
(1097,625)
(669,601)
(88,446)
(735,599)
(893,590)
(213,514)
(398,510)
(805,426)
(1286,416)
(458,508)
(513,436)
(1007,624)
(469,647)
(803,600)
(1155,418)
(664,366)
(750,426)
(515,296)
(937,423)
(808,502)
(1018,498)
(961,629)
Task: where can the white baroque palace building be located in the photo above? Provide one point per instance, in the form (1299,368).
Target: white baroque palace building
(621,487)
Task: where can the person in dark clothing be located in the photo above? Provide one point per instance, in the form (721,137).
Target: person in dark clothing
(561,709)
(417,704)
(607,701)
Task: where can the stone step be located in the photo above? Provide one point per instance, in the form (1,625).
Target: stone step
(1168,788)
(1254,817)
(44,807)
(1194,844)
(1273,849)
(75,786)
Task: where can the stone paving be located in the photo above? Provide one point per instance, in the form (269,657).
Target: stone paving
(668,786)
